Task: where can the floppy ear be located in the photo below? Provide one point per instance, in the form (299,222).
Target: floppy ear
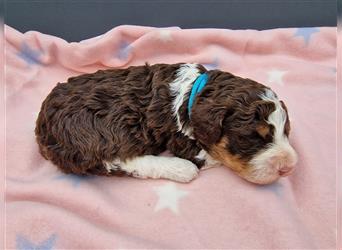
(206,121)
(287,123)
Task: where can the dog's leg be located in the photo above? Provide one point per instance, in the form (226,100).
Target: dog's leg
(156,167)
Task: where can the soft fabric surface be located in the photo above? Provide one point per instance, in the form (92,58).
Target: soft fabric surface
(50,210)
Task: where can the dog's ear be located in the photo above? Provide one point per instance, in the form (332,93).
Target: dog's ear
(287,123)
(206,121)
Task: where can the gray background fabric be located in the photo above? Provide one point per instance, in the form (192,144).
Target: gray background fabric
(76,20)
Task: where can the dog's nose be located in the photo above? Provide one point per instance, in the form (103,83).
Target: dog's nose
(283,162)
(285,171)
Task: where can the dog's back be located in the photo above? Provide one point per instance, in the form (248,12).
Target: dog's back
(96,117)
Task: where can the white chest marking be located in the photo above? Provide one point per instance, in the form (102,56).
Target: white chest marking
(180,87)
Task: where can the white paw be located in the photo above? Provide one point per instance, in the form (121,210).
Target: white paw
(180,170)
(150,166)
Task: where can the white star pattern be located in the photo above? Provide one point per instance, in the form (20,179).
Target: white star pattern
(168,197)
(165,35)
(276,76)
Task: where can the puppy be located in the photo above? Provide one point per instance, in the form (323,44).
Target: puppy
(118,121)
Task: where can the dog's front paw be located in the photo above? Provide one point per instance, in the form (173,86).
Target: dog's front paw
(180,170)
(156,167)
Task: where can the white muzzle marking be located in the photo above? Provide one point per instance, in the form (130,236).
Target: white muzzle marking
(280,157)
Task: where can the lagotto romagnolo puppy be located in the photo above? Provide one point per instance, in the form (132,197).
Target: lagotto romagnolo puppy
(118,121)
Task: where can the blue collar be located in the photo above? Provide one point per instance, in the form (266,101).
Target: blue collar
(197,87)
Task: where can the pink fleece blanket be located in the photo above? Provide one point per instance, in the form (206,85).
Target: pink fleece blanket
(46,209)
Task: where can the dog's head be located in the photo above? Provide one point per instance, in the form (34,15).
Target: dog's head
(243,124)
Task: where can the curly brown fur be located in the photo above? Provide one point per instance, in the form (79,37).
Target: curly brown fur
(95,117)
